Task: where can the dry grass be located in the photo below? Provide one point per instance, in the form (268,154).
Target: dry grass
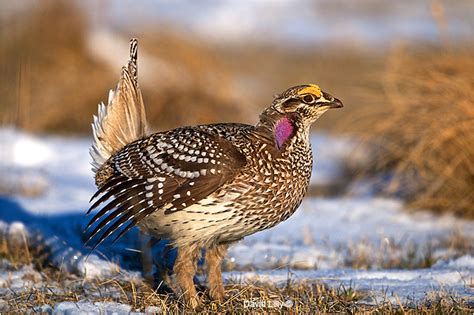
(389,254)
(426,137)
(299,298)
(305,298)
(48,285)
(52,82)
(38,91)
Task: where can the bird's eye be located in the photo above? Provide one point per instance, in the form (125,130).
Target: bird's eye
(309,99)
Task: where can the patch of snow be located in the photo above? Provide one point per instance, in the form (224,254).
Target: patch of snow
(17,233)
(150,310)
(95,267)
(64,162)
(84,307)
(23,150)
(17,280)
(331,154)
(43,309)
(263,255)
(408,285)
(323,229)
(466,261)
(62,254)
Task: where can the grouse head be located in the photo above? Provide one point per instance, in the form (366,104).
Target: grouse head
(295,110)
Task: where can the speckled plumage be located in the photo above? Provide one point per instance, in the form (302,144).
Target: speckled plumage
(207,184)
(210,185)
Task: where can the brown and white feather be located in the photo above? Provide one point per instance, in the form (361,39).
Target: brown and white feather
(206,185)
(123,119)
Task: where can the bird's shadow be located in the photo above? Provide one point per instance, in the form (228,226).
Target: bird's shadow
(64,234)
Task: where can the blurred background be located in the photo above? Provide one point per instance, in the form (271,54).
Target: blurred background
(393,178)
(404,70)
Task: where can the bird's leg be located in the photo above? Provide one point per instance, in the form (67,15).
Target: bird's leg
(214,256)
(184,269)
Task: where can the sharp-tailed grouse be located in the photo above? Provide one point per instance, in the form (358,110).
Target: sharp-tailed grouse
(204,186)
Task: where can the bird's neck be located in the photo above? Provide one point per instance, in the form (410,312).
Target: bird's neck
(282,131)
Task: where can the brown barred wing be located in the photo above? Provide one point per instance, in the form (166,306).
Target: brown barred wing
(170,171)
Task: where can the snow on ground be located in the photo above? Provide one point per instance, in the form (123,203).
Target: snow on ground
(322,241)
(382,285)
(321,233)
(63,163)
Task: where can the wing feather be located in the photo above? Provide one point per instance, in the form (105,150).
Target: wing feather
(170,171)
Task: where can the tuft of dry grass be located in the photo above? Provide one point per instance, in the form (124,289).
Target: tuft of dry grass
(426,137)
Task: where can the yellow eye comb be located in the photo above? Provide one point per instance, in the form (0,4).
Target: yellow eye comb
(311,88)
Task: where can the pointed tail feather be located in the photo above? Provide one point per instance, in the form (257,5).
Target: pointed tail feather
(123,120)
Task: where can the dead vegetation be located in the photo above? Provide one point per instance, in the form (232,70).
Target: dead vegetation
(38,91)
(44,285)
(426,137)
(52,80)
(54,286)
(389,254)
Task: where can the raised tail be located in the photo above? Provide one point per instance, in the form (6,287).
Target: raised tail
(123,120)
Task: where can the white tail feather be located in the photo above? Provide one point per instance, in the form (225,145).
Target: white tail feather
(123,120)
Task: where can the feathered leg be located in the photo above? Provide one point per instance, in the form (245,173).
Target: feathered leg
(185,269)
(214,257)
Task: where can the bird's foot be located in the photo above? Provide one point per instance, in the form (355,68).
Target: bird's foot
(194,302)
(218,294)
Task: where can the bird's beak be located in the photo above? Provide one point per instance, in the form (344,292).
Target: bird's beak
(335,103)
(330,101)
